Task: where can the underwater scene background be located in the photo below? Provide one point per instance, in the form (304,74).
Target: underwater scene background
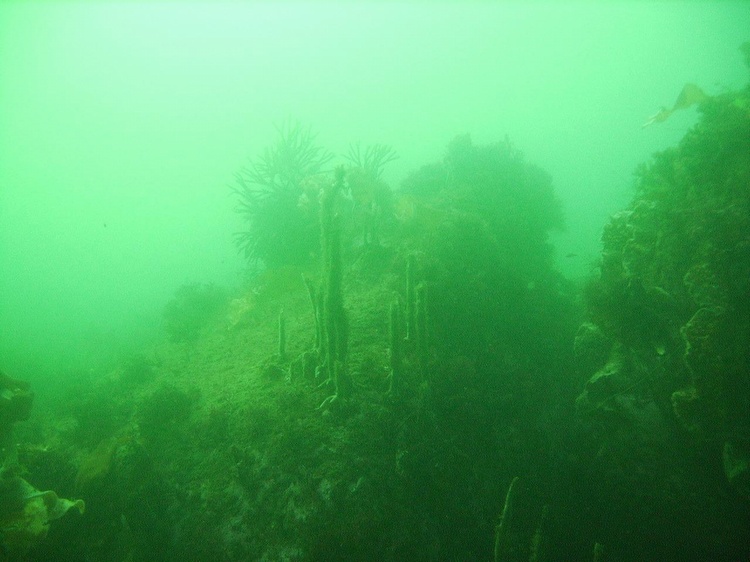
(327,281)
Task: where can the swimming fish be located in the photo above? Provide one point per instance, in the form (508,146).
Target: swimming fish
(690,95)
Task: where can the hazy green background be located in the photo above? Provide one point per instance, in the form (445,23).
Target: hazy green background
(121,125)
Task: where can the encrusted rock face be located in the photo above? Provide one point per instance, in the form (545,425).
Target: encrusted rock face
(15,404)
(26,514)
(736,457)
(666,347)
(591,348)
(607,383)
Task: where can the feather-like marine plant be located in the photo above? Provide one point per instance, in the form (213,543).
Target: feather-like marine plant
(278,229)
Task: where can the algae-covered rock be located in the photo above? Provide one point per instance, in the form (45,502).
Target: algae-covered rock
(607,383)
(672,298)
(15,404)
(736,457)
(26,514)
(591,348)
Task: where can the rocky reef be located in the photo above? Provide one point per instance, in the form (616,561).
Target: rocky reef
(408,377)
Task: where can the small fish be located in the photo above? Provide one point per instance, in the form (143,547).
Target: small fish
(689,95)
